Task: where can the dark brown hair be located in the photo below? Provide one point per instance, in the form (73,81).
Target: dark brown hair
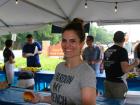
(29,36)
(8,43)
(77,26)
(137,48)
(90,37)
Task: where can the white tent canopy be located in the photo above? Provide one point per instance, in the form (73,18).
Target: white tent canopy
(30,15)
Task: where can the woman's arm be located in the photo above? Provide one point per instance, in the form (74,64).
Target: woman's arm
(88,96)
(41,99)
(126,67)
(45,99)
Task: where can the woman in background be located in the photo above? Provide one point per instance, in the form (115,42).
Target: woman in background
(116,64)
(137,53)
(9,61)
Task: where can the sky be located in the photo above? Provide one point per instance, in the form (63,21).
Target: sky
(132,30)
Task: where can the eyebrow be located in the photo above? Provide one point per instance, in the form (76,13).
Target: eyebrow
(69,39)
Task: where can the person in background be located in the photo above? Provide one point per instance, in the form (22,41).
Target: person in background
(137,53)
(31,51)
(102,57)
(128,46)
(9,61)
(74,81)
(92,54)
(116,65)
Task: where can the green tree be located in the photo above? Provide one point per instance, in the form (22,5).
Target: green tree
(43,33)
(56,38)
(92,30)
(101,35)
(3,38)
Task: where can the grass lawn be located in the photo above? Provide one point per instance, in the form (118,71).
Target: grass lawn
(46,62)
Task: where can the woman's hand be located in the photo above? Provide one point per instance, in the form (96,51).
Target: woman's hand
(36,99)
(39,98)
(32,97)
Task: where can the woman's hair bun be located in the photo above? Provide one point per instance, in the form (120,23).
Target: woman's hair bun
(77,20)
(77,25)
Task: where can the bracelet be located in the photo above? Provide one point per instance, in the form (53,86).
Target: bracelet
(41,98)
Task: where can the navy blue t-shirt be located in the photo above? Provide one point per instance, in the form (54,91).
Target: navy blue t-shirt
(32,61)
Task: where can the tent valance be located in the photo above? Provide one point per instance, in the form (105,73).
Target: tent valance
(32,14)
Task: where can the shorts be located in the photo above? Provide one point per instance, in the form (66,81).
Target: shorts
(114,89)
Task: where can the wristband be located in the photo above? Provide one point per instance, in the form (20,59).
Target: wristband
(41,98)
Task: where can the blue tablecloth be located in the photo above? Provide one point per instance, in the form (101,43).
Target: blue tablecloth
(109,101)
(14,96)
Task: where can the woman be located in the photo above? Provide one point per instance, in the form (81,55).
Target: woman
(137,53)
(9,61)
(74,82)
(116,65)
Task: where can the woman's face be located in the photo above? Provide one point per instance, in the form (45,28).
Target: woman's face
(71,44)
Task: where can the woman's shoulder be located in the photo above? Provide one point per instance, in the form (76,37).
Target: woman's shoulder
(60,65)
(87,76)
(85,68)
(7,50)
